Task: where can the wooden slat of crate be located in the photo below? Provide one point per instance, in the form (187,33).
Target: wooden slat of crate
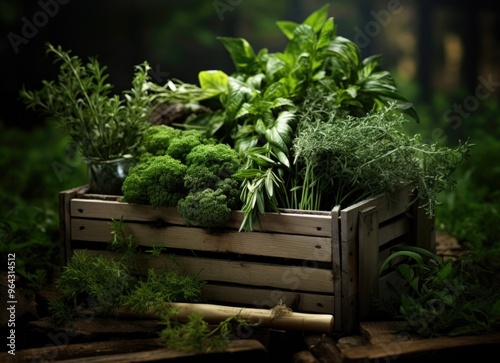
(368,259)
(266,298)
(388,207)
(310,224)
(337,266)
(201,239)
(295,278)
(389,232)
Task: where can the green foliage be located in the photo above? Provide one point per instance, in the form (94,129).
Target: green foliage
(157,139)
(103,125)
(180,147)
(36,165)
(158,290)
(164,179)
(259,105)
(208,164)
(158,181)
(346,159)
(212,192)
(207,207)
(196,334)
(199,183)
(104,284)
(93,282)
(438,297)
(30,233)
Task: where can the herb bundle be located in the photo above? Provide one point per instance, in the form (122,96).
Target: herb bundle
(103,125)
(341,159)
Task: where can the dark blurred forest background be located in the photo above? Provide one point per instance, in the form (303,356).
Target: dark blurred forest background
(443,54)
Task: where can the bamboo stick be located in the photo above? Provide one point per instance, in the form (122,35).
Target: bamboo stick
(278,318)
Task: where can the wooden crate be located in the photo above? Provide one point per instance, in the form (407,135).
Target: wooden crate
(316,262)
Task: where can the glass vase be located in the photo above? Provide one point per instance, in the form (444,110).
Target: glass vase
(107,176)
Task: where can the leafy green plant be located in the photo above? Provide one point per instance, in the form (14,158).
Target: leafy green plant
(319,77)
(181,168)
(158,289)
(196,334)
(341,159)
(441,297)
(92,282)
(105,126)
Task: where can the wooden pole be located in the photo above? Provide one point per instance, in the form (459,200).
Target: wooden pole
(272,318)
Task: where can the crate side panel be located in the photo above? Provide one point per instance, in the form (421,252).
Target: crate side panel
(265,298)
(424,232)
(295,278)
(393,230)
(314,224)
(338,272)
(349,301)
(388,206)
(368,260)
(64,206)
(202,239)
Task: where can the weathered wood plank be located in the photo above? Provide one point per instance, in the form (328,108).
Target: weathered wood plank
(295,278)
(203,239)
(313,224)
(323,348)
(393,230)
(401,349)
(389,206)
(368,260)
(265,298)
(64,205)
(304,356)
(83,350)
(237,350)
(337,267)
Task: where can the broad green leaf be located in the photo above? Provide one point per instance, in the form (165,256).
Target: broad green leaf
(287,27)
(283,158)
(281,101)
(281,132)
(214,80)
(352,91)
(255,81)
(278,65)
(327,34)
(415,256)
(260,126)
(243,144)
(317,18)
(347,54)
(406,272)
(370,65)
(244,110)
(276,90)
(247,173)
(239,92)
(261,160)
(445,272)
(304,41)
(241,52)
(495,310)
